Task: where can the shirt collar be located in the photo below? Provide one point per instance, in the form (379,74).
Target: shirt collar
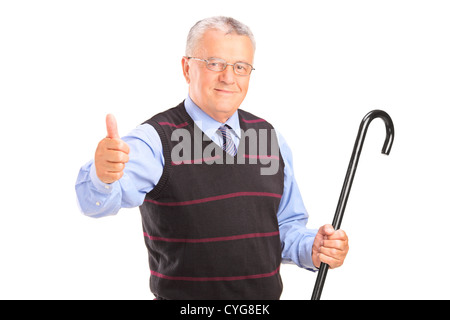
(207,124)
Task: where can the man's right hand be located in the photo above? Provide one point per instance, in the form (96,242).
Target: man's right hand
(111,154)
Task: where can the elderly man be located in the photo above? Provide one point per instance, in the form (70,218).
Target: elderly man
(215,225)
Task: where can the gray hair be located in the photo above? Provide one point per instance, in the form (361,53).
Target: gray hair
(225,24)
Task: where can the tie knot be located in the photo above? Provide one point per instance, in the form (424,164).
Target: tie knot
(224,128)
(228,144)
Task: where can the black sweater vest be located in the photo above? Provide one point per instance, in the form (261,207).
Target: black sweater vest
(210,224)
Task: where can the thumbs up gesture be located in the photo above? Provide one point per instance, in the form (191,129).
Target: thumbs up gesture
(111,154)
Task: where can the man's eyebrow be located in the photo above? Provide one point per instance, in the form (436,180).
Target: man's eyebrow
(244,61)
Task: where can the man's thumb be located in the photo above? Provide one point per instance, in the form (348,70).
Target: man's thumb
(111,127)
(327,230)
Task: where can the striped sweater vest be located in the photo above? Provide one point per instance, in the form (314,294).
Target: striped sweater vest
(211,226)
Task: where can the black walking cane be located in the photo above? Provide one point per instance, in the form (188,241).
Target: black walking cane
(320,280)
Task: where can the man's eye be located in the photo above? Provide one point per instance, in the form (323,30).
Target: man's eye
(242,67)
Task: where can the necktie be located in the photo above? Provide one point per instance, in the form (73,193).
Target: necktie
(228,144)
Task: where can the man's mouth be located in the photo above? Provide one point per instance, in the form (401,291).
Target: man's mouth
(224,91)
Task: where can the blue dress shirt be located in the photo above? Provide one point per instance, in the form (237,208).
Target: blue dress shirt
(145,167)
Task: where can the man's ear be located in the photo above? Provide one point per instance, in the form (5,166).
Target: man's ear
(185,65)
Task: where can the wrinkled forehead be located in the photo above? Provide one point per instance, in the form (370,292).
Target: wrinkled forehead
(229,46)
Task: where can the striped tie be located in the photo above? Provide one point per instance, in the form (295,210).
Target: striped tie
(228,144)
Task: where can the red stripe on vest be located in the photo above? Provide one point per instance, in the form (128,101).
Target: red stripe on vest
(237,237)
(234,278)
(173,125)
(215,198)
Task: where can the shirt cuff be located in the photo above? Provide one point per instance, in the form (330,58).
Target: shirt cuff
(307,258)
(100,186)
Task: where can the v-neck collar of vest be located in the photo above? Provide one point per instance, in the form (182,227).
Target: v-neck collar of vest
(188,119)
(208,124)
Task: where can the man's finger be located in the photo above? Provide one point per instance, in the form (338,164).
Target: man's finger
(114,167)
(332,262)
(338,235)
(326,230)
(336,244)
(111,127)
(117,144)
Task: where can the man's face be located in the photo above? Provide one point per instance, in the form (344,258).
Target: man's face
(219,94)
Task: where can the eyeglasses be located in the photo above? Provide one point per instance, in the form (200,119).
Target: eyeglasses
(219,65)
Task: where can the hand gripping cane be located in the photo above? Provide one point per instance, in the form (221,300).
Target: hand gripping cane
(320,280)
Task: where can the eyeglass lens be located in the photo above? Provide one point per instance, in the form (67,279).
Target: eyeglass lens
(220,65)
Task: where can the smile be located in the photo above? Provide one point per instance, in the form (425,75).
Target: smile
(224,91)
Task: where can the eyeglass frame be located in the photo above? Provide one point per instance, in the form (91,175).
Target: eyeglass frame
(225,65)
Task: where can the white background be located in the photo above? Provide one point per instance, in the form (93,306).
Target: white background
(320,67)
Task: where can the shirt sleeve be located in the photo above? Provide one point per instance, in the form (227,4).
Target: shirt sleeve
(141,174)
(296,238)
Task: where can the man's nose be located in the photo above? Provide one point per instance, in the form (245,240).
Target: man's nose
(228,75)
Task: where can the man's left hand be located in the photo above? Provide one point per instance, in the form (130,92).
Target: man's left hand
(330,247)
